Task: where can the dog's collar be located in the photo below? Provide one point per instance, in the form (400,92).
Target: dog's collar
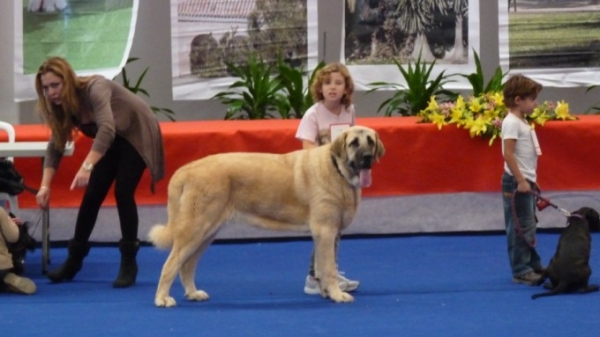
(337,168)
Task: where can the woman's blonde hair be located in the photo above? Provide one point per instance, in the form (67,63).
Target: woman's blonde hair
(324,74)
(60,117)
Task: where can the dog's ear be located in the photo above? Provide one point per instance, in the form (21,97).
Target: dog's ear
(379,148)
(592,217)
(339,145)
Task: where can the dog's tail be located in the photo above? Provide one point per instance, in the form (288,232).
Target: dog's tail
(161,236)
(560,288)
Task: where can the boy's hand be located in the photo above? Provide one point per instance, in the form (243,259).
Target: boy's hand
(524,187)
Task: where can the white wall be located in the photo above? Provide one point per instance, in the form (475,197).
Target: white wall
(152,45)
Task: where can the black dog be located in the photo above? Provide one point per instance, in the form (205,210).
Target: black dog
(569,269)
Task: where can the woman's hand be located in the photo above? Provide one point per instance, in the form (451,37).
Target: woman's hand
(82,179)
(43,197)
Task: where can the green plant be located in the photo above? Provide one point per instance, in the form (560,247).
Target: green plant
(478,82)
(299,98)
(595,108)
(256,94)
(413,97)
(137,88)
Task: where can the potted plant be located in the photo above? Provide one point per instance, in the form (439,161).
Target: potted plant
(256,94)
(478,82)
(136,88)
(299,98)
(413,97)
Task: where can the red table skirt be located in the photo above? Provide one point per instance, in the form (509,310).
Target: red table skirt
(419,158)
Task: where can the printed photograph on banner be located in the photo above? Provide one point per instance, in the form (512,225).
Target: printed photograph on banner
(379,33)
(90,34)
(209,35)
(553,33)
(95,36)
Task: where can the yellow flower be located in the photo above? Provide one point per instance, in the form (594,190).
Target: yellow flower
(433,106)
(498,98)
(456,116)
(460,103)
(482,115)
(438,119)
(562,110)
(475,105)
(476,127)
(540,117)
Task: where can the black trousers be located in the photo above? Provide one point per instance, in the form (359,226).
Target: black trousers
(124,166)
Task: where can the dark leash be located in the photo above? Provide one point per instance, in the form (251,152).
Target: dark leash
(23,187)
(541,204)
(18,186)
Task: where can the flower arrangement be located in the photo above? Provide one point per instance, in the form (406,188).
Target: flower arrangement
(483,115)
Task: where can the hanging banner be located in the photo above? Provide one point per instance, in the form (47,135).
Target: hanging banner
(377,33)
(93,35)
(554,42)
(208,34)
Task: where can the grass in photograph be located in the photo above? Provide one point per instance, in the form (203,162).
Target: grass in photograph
(554,39)
(88,37)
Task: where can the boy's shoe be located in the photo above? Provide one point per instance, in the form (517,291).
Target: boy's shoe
(532,279)
(311,286)
(19,285)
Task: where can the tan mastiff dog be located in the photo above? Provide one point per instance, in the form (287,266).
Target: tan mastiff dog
(317,190)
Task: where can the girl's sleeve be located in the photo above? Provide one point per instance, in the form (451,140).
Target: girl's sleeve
(308,128)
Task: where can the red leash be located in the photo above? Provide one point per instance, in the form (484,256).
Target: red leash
(541,204)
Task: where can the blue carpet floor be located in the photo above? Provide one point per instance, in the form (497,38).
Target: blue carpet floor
(411,286)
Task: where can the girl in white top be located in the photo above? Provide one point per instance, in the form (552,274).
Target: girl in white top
(332,89)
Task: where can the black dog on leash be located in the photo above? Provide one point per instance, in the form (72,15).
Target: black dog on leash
(569,269)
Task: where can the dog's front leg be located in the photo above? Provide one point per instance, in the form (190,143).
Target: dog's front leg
(326,267)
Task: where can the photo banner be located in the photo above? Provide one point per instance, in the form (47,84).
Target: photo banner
(448,35)
(95,36)
(554,42)
(208,34)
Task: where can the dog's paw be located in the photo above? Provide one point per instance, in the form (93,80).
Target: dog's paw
(165,302)
(342,297)
(197,295)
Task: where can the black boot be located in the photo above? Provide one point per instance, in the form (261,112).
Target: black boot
(129,268)
(77,252)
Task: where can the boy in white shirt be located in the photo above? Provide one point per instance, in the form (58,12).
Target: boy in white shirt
(520,149)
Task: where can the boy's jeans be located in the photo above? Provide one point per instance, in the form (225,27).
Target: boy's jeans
(523,258)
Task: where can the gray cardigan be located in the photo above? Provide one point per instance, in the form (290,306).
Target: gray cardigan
(112,109)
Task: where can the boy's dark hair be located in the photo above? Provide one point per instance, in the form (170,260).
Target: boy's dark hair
(520,86)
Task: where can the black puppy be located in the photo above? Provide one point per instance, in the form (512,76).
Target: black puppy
(569,269)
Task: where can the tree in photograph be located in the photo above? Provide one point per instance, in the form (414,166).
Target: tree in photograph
(461,10)
(278,28)
(416,17)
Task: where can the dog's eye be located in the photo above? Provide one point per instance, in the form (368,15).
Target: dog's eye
(354,142)
(370,141)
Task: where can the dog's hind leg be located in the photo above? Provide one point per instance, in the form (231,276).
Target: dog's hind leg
(188,272)
(167,276)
